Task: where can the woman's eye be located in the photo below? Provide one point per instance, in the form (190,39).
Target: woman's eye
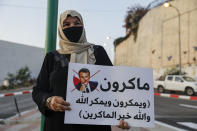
(67,24)
(77,23)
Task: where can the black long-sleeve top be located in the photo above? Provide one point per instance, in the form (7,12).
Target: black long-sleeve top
(52,81)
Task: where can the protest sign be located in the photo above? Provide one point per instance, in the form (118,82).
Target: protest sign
(103,95)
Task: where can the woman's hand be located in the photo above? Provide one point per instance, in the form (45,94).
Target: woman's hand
(57,103)
(123,125)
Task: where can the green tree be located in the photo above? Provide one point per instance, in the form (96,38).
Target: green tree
(12,80)
(133,17)
(23,75)
(21,79)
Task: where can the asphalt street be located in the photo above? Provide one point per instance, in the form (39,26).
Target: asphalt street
(178,113)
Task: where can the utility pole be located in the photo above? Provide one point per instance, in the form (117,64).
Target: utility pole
(51,28)
(51,33)
(167,4)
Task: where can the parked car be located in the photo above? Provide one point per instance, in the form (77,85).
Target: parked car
(177,83)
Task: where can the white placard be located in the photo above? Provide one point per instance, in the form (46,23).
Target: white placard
(111,93)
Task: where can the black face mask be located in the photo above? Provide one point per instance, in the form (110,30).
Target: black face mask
(73,33)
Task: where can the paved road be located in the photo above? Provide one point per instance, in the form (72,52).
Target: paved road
(8,108)
(176,112)
(174,92)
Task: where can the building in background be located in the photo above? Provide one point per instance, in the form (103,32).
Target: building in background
(157,43)
(14,56)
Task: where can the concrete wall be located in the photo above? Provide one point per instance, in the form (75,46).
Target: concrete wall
(157,44)
(13,56)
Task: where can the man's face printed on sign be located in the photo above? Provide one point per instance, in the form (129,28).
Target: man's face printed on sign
(83,83)
(84,77)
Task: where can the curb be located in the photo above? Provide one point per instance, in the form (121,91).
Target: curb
(30,120)
(16,116)
(176,96)
(16,93)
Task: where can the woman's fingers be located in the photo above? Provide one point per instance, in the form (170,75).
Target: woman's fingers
(60,100)
(67,103)
(58,107)
(58,104)
(64,103)
(120,124)
(123,125)
(62,108)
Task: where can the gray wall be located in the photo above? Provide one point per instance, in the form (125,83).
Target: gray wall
(13,56)
(158,39)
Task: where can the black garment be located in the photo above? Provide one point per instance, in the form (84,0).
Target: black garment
(52,81)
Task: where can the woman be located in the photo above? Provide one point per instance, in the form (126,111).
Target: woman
(49,92)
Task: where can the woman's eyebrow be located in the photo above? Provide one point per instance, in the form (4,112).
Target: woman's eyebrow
(77,21)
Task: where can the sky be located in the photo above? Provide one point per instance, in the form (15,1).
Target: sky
(24,21)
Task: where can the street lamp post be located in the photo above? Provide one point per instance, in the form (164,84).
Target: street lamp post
(179,31)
